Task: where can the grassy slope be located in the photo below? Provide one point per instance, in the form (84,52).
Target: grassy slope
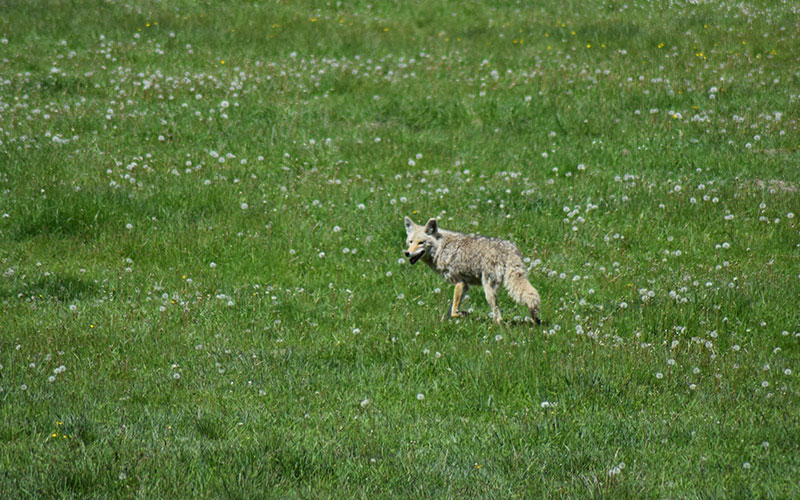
(276,347)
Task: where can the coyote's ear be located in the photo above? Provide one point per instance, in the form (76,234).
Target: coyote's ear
(432,227)
(409,225)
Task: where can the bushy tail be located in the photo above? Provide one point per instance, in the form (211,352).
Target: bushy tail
(520,289)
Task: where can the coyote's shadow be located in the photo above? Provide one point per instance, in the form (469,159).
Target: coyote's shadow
(482,319)
(62,289)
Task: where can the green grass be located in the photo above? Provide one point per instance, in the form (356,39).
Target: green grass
(203,292)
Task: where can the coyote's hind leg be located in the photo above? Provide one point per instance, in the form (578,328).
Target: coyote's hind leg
(490,290)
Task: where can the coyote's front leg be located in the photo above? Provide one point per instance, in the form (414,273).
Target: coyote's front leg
(458,293)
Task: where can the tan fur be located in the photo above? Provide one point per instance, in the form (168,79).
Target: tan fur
(466,259)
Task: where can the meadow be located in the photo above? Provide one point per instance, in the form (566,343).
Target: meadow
(203,292)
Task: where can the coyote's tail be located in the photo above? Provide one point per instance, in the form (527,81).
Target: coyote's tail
(520,289)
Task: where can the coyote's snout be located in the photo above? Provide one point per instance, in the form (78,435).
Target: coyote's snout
(466,260)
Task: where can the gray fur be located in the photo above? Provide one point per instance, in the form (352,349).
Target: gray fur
(467,259)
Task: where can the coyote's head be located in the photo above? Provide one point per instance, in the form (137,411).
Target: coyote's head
(421,240)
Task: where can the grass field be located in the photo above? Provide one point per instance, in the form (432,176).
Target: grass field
(203,289)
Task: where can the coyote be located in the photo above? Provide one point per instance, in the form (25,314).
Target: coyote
(468,259)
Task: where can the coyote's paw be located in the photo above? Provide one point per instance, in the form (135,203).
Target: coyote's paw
(459,314)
